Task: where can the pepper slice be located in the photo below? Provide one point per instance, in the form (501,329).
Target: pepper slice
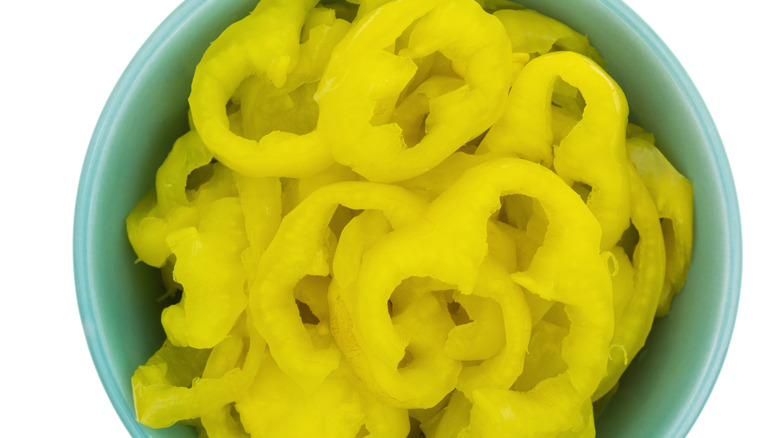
(266,44)
(633,324)
(179,383)
(593,152)
(208,266)
(673,196)
(261,204)
(221,423)
(483,337)
(419,313)
(276,405)
(370,79)
(165,209)
(448,244)
(502,370)
(442,176)
(299,249)
(411,112)
(532,32)
(188,153)
(451,420)
(567,268)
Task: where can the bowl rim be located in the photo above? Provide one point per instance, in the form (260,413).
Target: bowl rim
(85,199)
(94,160)
(684,421)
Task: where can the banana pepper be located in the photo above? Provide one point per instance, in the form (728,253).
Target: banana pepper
(261,204)
(265,44)
(634,320)
(363,82)
(301,248)
(179,383)
(473,296)
(419,313)
(532,32)
(673,196)
(166,208)
(276,405)
(593,152)
(209,268)
(501,370)
(448,245)
(567,268)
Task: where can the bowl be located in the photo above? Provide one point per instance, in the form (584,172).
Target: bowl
(664,389)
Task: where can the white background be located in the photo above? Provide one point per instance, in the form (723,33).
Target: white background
(58,63)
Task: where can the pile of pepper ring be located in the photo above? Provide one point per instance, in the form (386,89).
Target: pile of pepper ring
(405,218)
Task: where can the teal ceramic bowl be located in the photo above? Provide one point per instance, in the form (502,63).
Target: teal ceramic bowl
(665,388)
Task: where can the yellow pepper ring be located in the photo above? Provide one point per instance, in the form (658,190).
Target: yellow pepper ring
(161,396)
(363,81)
(457,231)
(167,208)
(673,196)
(649,260)
(593,152)
(448,244)
(266,42)
(483,337)
(418,315)
(532,32)
(297,250)
(208,258)
(500,371)
(568,268)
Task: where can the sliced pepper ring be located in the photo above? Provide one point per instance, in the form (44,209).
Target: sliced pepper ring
(448,244)
(673,196)
(170,387)
(419,316)
(649,261)
(532,32)
(500,371)
(593,152)
(166,208)
(267,42)
(370,79)
(276,406)
(299,249)
(208,266)
(567,267)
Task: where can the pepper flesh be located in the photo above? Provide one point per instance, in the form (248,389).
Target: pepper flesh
(532,32)
(633,324)
(208,265)
(165,209)
(673,196)
(359,134)
(420,316)
(593,152)
(297,250)
(169,388)
(266,43)
(567,268)
(276,406)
